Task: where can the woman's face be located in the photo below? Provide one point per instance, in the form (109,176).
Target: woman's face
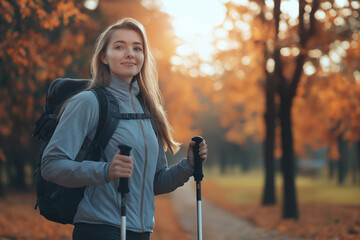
(124,54)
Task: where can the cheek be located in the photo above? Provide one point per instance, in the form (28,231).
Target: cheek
(141,60)
(112,56)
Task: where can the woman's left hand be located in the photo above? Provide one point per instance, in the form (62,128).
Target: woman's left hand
(202,152)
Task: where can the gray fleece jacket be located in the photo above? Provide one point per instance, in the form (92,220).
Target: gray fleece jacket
(151,175)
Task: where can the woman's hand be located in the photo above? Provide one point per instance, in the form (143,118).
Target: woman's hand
(202,152)
(121,166)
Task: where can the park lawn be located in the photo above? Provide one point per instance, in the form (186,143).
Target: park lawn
(326,210)
(320,189)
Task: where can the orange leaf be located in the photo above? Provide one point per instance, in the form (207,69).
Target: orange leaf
(2,156)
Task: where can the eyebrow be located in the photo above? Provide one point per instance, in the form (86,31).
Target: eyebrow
(121,41)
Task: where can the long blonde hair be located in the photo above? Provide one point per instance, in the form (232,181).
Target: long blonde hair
(147,79)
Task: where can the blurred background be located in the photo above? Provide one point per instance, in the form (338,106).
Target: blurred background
(272,85)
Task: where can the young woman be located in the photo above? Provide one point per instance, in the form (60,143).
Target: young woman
(124,65)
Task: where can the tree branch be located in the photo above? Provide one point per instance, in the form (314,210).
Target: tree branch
(304,38)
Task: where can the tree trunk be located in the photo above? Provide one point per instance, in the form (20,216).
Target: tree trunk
(342,162)
(341,170)
(1,180)
(269,187)
(16,170)
(10,172)
(332,168)
(20,175)
(358,160)
(353,163)
(288,161)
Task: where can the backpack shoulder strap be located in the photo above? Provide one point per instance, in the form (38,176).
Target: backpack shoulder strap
(108,107)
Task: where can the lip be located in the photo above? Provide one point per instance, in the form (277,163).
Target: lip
(128,63)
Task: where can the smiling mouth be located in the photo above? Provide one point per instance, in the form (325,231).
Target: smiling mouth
(128,63)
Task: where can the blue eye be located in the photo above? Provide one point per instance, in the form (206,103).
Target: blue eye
(119,47)
(138,49)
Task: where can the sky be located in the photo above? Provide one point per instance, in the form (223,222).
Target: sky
(194,22)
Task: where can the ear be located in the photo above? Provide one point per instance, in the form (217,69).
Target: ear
(104,59)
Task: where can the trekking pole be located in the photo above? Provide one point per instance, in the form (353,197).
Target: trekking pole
(123,189)
(198,176)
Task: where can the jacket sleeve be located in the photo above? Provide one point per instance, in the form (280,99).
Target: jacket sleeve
(58,164)
(168,179)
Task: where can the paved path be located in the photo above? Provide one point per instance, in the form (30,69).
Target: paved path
(217,223)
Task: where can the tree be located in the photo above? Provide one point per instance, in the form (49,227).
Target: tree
(287,92)
(39,39)
(288,54)
(328,97)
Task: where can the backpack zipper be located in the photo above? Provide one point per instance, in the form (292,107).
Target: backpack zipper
(145,165)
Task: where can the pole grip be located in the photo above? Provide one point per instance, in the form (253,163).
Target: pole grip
(198,171)
(124,182)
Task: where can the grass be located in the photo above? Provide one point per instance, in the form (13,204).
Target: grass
(309,189)
(326,210)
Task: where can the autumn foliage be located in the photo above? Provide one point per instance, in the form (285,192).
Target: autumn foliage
(39,41)
(327,101)
(315,74)
(338,118)
(43,40)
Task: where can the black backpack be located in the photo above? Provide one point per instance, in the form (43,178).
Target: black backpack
(58,203)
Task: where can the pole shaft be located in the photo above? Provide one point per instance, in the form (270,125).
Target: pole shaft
(123,216)
(199,214)
(199,221)
(198,176)
(123,227)
(123,188)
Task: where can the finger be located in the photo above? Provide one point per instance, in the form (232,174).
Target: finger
(122,158)
(126,171)
(202,143)
(126,165)
(125,159)
(119,170)
(125,175)
(118,165)
(203,146)
(123,172)
(117,154)
(202,153)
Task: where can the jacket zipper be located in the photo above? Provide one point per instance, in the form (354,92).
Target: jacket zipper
(145,165)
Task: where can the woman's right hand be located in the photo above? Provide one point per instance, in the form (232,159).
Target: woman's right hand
(121,166)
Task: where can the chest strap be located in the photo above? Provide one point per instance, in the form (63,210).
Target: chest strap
(131,116)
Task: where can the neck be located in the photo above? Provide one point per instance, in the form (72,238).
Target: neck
(127,80)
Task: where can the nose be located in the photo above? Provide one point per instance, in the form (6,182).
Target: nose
(130,53)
